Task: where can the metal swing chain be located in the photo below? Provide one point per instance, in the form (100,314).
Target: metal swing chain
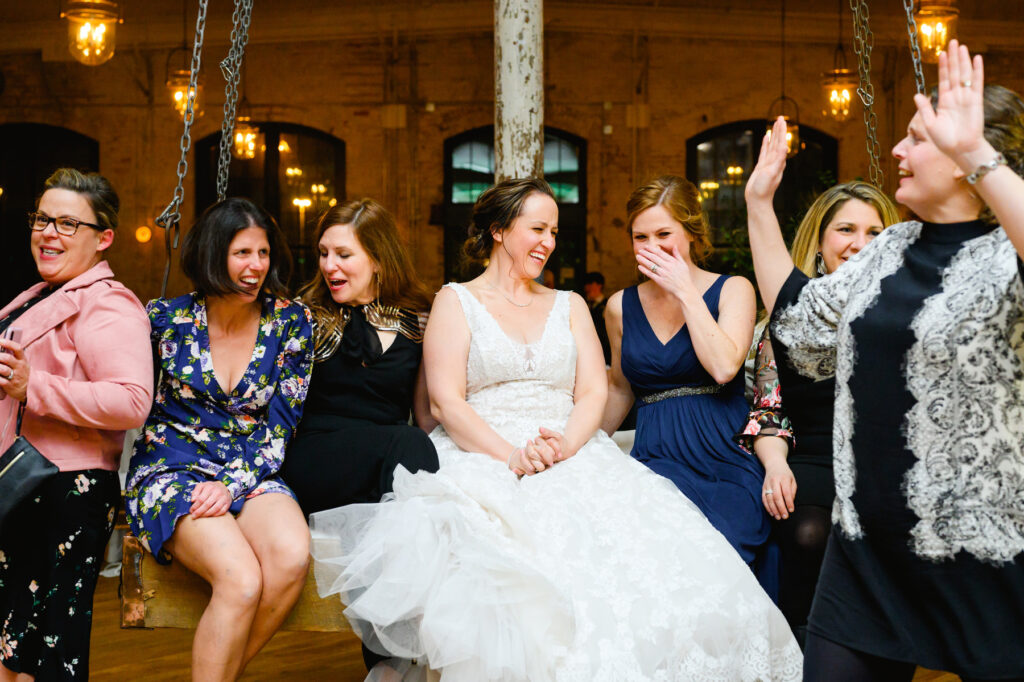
(863,42)
(231,68)
(170,219)
(915,49)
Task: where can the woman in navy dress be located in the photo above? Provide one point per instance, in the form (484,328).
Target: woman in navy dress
(678,344)
(234,358)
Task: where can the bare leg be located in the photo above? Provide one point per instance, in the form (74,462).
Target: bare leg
(8,675)
(277,532)
(216,549)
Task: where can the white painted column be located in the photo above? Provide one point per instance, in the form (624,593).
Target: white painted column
(518,88)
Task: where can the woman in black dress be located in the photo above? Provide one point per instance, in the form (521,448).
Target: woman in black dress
(924,334)
(368,306)
(790,425)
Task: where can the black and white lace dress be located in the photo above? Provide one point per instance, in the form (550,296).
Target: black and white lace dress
(924,334)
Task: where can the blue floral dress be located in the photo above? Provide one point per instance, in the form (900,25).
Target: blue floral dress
(198,432)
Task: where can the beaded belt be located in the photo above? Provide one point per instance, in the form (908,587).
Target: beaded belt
(680,391)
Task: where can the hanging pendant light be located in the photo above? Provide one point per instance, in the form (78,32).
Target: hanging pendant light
(784,106)
(936,25)
(178,79)
(839,84)
(92,29)
(178,86)
(248,139)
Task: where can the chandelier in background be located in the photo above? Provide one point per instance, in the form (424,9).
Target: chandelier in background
(92,29)
(785,106)
(840,83)
(936,25)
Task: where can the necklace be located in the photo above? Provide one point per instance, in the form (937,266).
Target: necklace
(504,296)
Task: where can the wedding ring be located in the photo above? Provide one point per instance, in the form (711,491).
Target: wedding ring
(654,268)
(10,373)
(965,83)
(769,492)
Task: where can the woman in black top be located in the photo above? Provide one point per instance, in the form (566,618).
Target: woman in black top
(790,425)
(924,334)
(367,304)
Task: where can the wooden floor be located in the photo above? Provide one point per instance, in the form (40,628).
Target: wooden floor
(163,655)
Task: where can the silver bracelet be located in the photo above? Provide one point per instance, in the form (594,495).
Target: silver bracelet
(986,168)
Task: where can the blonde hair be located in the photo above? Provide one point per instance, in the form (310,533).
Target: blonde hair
(807,241)
(679,197)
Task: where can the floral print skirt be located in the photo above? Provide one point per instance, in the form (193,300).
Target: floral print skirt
(51,549)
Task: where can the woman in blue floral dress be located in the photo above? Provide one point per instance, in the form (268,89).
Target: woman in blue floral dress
(235,358)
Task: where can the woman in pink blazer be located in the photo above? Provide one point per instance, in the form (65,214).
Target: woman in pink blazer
(84,370)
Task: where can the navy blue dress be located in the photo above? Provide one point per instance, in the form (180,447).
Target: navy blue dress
(689,438)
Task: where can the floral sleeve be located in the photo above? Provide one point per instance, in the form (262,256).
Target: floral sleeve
(767,417)
(262,452)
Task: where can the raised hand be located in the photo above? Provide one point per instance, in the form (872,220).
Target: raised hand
(210,498)
(670,271)
(956,125)
(771,162)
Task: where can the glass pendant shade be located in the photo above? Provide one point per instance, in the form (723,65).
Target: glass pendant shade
(936,25)
(92,30)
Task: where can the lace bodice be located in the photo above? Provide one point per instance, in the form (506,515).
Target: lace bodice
(516,387)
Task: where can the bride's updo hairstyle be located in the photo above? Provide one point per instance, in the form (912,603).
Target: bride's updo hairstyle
(679,197)
(495,210)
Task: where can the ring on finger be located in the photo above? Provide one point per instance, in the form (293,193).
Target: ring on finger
(654,268)
(965,83)
(769,491)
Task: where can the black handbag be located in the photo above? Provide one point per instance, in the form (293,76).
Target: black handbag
(22,470)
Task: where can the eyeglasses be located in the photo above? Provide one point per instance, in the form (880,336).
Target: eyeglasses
(64,225)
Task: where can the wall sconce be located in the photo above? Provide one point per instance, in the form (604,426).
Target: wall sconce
(936,25)
(92,29)
(143,234)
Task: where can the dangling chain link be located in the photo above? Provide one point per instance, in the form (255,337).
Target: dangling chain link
(915,49)
(170,219)
(863,42)
(231,68)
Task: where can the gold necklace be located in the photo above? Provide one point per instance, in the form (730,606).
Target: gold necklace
(518,305)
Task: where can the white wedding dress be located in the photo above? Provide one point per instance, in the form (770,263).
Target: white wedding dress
(596,569)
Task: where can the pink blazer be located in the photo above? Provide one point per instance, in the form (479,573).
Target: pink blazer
(91,371)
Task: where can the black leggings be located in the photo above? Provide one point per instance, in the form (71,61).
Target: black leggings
(802,539)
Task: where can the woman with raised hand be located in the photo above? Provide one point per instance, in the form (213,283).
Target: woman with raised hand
(678,343)
(82,371)
(203,487)
(790,425)
(538,550)
(924,334)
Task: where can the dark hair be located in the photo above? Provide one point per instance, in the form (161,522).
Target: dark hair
(375,228)
(1004,129)
(204,255)
(680,198)
(93,187)
(593,278)
(495,210)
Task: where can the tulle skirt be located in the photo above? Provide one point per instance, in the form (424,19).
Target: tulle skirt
(594,570)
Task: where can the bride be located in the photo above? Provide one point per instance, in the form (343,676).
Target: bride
(540,551)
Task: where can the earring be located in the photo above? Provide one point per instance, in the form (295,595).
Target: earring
(819,264)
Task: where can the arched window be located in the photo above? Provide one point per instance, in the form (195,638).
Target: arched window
(295,173)
(469,170)
(720,160)
(29,153)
